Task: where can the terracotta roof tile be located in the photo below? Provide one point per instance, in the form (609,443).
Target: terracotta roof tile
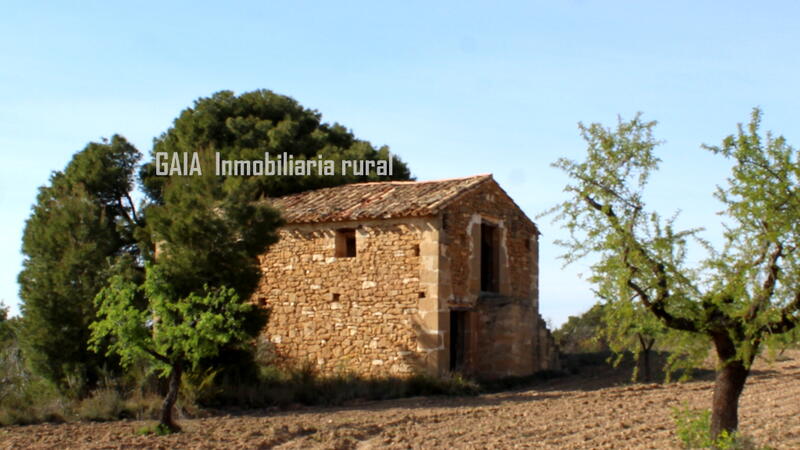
(375,200)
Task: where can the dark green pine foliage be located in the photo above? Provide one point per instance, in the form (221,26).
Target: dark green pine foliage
(5,325)
(81,226)
(245,127)
(209,230)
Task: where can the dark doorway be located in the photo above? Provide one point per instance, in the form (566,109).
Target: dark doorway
(458,339)
(488,258)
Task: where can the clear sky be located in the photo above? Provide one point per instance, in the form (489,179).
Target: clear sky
(455,88)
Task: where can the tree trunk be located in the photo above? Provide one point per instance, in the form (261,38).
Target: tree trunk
(728,386)
(644,357)
(644,365)
(171,398)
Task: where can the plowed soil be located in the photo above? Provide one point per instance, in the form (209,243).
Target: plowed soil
(581,411)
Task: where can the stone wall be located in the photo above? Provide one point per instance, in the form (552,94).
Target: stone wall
(511,339)
(359,313)
(387,310)
(507,335)
(518,246)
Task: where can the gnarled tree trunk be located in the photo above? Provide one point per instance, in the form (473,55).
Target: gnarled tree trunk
(728,386)
(172,396)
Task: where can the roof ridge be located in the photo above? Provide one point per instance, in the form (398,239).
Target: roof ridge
(389,183)
(375,199)
(441,180)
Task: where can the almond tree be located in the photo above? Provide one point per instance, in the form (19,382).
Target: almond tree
(172,333)
(194,300)
(628,327)
(742,295)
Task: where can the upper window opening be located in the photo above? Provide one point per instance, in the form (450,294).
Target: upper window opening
(489,258)
(346,243)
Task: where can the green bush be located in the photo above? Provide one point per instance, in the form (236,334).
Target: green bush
(693,428)
(156,429)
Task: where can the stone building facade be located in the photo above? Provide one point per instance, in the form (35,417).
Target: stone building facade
(391,278)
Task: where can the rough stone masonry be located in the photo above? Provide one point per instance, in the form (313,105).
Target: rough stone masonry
(393,278)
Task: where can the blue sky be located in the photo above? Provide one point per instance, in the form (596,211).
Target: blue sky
(454,88)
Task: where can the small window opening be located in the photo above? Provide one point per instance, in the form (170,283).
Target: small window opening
(416,250)
(336,297)
(527,244)
(262,301)
(346,243)
(421,294)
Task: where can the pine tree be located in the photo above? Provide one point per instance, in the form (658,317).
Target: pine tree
(81,225)
(247,126)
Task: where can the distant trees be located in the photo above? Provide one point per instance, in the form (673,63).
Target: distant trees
(742,295)
(5,331)
(629,327)
(582,333)
(12,369)
(613,327)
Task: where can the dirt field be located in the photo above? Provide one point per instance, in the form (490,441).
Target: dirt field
(573,412)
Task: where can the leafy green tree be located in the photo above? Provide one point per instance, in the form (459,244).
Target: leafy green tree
(171,332)
(628,327)
(247,126)
(82,222)
(208,232)
(742,295)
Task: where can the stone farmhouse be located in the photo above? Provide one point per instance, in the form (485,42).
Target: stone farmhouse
(391,278)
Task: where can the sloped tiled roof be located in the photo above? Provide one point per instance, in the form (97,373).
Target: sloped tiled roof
(375,200)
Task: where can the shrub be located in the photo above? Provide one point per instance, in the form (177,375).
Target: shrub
(156,429)
(693,428)
(33,400)
(142,406)
(102,405)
